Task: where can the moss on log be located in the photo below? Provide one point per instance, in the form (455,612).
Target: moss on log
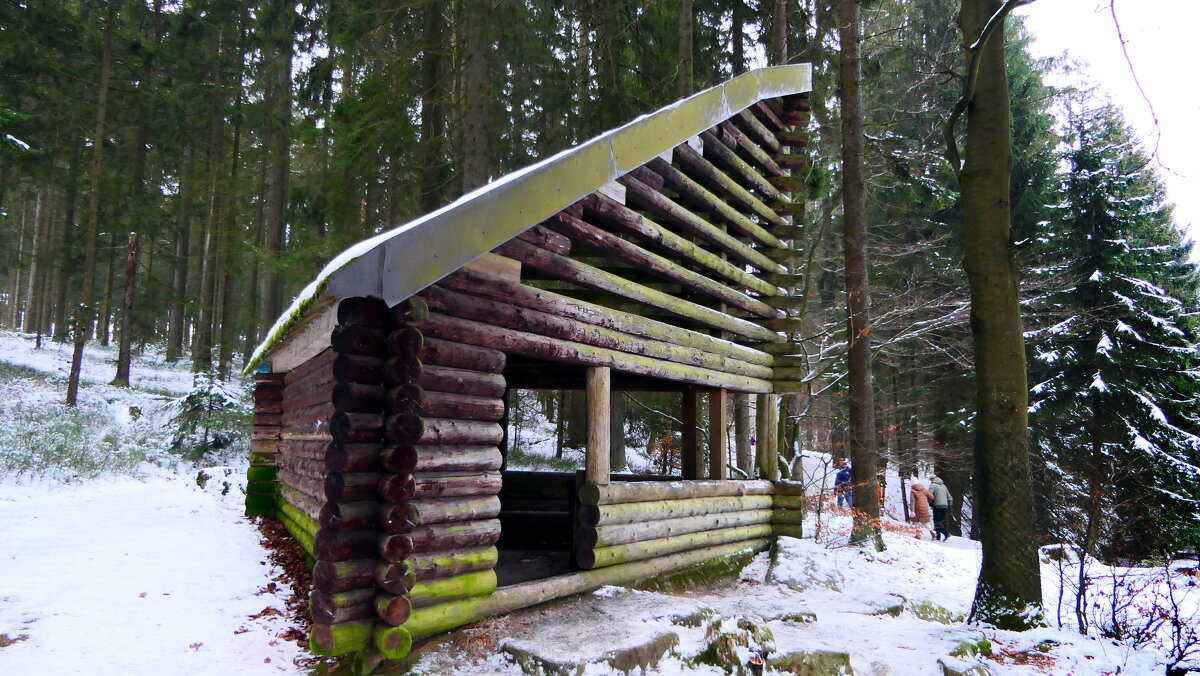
(636,551)
(448,563)
(393,643)
(441,590)
(619,493)
(427,621)
(625,533)
(339,639)
(787,529)
(790,501)
(701,197)
(782,515)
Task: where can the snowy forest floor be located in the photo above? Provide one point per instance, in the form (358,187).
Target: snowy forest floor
(120,556)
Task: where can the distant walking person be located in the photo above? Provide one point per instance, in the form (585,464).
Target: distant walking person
(843,486)
(919,499)
(941,507)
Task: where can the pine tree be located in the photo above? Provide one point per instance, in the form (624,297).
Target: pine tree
(1115,378)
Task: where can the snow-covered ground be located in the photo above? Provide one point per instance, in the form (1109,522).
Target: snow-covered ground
(141,570)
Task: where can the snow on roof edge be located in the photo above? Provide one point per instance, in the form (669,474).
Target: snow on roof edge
(619,145)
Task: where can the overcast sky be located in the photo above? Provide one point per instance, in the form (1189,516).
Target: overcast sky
(1161,38)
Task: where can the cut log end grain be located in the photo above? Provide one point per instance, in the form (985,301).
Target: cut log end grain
(394,577)
(392,609)
(368,312)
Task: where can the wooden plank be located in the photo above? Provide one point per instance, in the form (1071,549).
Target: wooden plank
(598,379)
(307,339)
(636,512)
(747,122)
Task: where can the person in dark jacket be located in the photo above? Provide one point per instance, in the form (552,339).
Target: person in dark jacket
(843,486)
(941,507)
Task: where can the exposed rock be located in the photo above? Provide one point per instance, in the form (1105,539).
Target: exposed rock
(813,663)
(737,645)
(932,612)
(952,666)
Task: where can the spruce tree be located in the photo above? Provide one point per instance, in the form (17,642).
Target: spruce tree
(1115,383)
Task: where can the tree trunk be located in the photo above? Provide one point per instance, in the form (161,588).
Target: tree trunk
(687,82)
(179,271)
(777,38)
(739,38)
(477,93)
(742,429)
(279,105)
(65,249)
(616,431)
(858,324)
(435,92)
(84,310)
(1009,578)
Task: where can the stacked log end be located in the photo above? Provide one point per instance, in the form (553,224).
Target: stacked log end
(624,522)
(349,467)
(439,474)
(789,508)
(261,490)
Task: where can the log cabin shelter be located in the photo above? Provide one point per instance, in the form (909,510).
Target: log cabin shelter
(656,256)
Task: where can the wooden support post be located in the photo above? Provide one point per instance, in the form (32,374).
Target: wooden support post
(599,379)
(768,462)
(691,460)
(716,434)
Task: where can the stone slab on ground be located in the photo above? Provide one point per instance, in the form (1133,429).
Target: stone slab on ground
(626,630)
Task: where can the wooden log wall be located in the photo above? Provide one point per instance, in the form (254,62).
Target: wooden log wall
(344,402)
(261,488)
(623,522)
(305,408)
(439,470)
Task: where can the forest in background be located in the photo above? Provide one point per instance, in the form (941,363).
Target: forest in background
(171,173)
